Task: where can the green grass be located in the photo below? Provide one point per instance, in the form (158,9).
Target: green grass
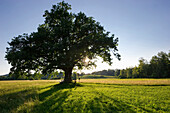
(49,96)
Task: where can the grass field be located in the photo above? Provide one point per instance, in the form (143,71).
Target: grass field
(107,96)
(129,81)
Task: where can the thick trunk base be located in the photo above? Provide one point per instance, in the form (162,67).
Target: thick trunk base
(68,78)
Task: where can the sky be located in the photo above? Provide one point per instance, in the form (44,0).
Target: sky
(142,26)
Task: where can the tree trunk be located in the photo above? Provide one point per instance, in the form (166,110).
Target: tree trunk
(68,73)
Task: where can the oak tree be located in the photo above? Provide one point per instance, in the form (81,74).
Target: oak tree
(65,40)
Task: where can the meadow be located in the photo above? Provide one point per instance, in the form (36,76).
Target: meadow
(91,95)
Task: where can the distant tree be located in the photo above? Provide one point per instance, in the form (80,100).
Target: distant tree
(143,68)
(109,72)
(104,72)
(122,74)
(129,72)
(160,65)
(66,40)
(55,74)
(37,76)
(135,72)
(117,72)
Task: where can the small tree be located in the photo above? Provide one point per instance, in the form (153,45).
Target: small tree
(64,41)
(129,72)
(143,68)
(135,72)
(117,72)
(122,73)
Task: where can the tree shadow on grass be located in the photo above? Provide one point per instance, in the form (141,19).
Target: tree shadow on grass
(106,104)
(53,99)
(61,98)
(10,102)
(111,84)
(57,100)
(98,105)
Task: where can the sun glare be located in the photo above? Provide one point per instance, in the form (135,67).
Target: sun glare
(87,60)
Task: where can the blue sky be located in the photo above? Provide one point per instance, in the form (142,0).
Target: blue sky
(143,26)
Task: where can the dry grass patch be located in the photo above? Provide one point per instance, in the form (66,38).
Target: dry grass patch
(129,81)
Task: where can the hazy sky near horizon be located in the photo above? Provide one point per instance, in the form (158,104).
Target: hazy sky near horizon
(142,26)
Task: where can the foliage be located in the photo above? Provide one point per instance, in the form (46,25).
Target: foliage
(117,72)
(159,67)
(64,41)
(96,76)
(109,72)
(49,96)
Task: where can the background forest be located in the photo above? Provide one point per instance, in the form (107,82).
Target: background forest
(157,67)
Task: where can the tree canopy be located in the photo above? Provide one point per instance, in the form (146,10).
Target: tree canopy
(158,67)
(64,41)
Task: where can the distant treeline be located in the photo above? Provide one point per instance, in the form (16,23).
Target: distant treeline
(110,72)
(53,76)
(37,76)
(157,67)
